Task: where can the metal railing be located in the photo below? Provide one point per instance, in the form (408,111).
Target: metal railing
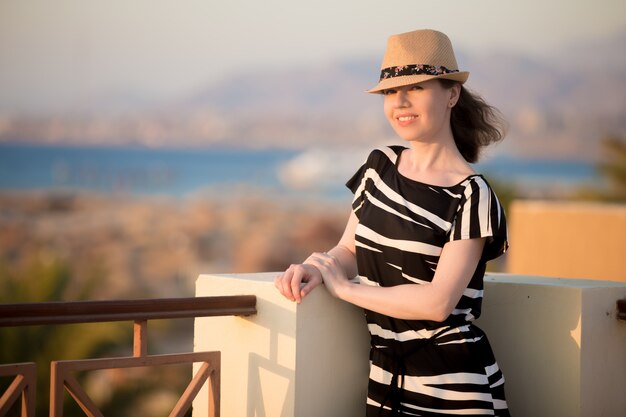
(138,311)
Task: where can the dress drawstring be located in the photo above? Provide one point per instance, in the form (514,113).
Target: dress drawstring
(398,352)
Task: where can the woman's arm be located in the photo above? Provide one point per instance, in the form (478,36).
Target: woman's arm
(289,282)
(432,301)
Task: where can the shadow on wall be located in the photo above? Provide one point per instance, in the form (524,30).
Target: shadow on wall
(265,371)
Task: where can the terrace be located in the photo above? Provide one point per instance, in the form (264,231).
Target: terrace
(559,341)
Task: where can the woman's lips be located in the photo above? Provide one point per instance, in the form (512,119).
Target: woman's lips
(405,119)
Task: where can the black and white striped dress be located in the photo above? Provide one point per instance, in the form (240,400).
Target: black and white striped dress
(426,368)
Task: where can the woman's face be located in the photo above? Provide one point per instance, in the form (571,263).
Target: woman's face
(420,112)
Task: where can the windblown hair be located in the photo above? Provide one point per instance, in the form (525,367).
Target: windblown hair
(475,124)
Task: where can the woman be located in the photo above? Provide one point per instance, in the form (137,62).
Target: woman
(422,227)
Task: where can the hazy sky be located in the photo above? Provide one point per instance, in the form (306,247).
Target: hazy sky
(61,53)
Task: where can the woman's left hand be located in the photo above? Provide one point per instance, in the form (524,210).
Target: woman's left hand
(332,272)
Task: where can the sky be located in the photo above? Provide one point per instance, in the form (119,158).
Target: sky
(55,55)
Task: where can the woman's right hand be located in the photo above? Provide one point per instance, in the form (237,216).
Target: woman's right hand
(289,282)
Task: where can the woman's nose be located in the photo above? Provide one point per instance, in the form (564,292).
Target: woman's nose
(401,98)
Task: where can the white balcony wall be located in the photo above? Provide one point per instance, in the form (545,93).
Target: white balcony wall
(557,340)
(562,350)
(305,360)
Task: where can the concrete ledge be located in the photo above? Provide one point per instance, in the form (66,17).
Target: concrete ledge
(305,360)
(558,342)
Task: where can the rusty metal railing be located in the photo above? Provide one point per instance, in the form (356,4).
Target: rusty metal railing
(138,311)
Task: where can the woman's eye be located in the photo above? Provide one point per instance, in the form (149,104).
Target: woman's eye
(388,92)
(416,87)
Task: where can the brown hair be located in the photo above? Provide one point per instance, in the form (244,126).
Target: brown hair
(475,124)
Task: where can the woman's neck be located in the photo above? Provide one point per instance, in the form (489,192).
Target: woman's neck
(434,163)
(440,156)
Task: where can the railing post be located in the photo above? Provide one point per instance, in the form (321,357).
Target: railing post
(140,343)
(56,391)
(215,388)
(29,393)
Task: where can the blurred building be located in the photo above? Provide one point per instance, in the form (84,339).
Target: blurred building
(568,239)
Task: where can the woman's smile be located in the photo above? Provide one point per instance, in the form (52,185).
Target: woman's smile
(405,120)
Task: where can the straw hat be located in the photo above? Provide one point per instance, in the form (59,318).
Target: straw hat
(418,56)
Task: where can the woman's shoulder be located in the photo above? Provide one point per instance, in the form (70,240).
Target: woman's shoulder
(476,188)
(385,155)
(477,181)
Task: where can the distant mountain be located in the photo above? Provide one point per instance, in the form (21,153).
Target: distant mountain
(297,106)
(559,106)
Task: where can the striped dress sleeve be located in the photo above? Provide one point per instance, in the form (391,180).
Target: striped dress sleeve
(357,183)
(480,215)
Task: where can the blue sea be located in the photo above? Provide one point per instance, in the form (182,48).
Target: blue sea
(183,172)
